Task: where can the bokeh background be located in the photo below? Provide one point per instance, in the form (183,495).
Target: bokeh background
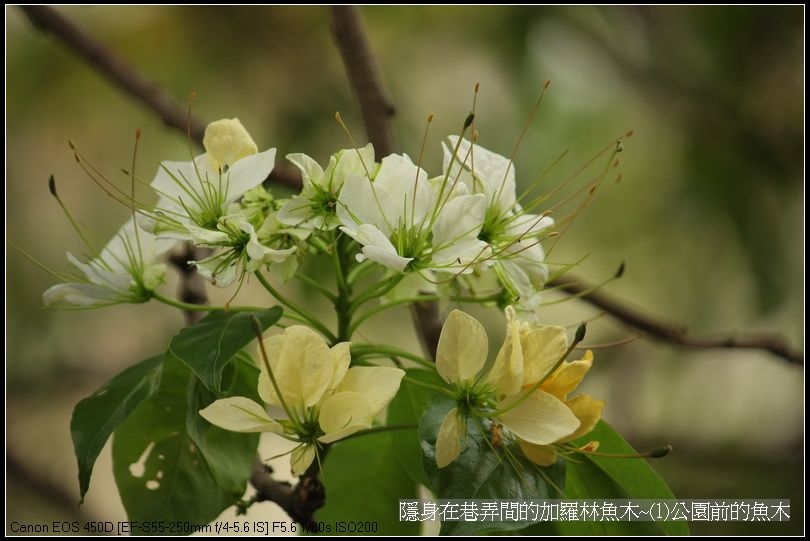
(708,216)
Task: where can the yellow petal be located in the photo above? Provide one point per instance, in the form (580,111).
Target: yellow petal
(462,349)
(240,414)
(302,365)
(506,374)
(226,142)
(448,441)
(342,414)
(377,384)
(543,347)
(568,376)
(588,410)
(300,459)
(542,455)
(540,419)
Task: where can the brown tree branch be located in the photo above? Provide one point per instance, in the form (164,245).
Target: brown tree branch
(300,501)
(377,110)
(113,67)
(364,76)
(667,331)
(116,70)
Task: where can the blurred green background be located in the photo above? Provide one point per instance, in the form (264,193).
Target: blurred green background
(708,216)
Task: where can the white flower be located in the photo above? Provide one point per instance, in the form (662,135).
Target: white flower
(198,193)
(126,271)
(315,207)
(238,250)
(324,399)
(401,222)
(514,234)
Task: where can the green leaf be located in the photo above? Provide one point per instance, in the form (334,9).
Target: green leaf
(484,472)
(161,473)
(406,409)
(364,484)
(208,346)
(98,415)
(635,477)
(229,455)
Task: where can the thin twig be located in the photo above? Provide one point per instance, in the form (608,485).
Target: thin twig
(116,70)
(377,110)
(667,331)
(113,67)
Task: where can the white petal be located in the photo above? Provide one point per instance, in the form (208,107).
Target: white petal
(341,358)
(540,419)
(79,295)
(360,202)
(240,414)
(248,173)
(461,218)
(377,384)
(311,171)
(459,257)
(529,225)
(448,440)
(495,170)
(462,349)
(201,235)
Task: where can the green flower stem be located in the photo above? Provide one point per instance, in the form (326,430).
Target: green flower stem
(379,350)
(379,429)
(317,286)
(375,291)
(295,308)
(359,271)
(371,313)
(430,387)
(202,307)
(343,301)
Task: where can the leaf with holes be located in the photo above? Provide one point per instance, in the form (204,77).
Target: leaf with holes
(161,473)
(97,416)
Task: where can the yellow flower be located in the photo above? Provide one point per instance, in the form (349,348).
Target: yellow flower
(323,398)
(525,390)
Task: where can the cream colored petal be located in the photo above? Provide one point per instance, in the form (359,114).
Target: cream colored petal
(588,410)
(542,455)
(377,384)
(540,419)
(341,358)
(506,374)
(342,414)
(568,376)
(301,458)
(226,141)
(302,365)
(462,349)
(448,440)
(240,414)
(543,347)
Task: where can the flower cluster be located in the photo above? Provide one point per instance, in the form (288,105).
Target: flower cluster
(525,391)
(321,399)
(460,232)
